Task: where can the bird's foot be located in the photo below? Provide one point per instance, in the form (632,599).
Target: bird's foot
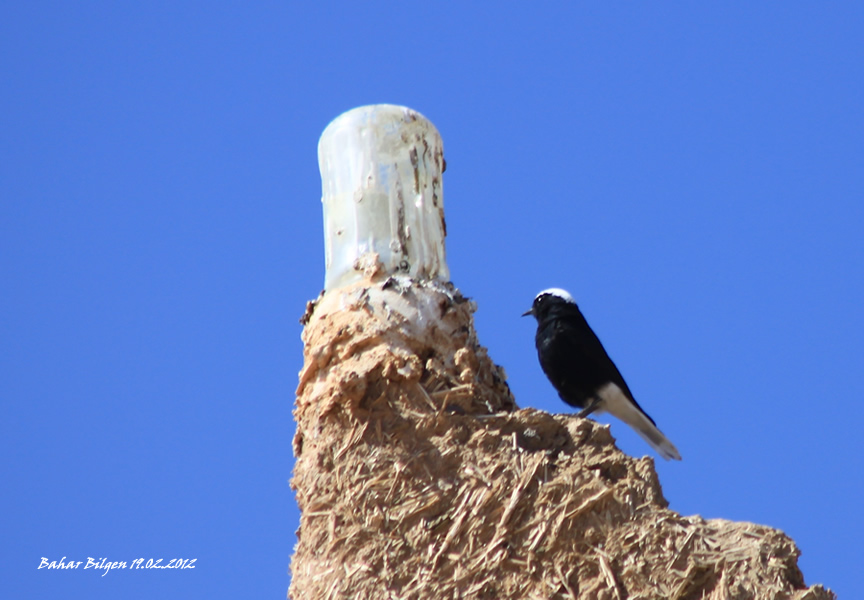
(592,406)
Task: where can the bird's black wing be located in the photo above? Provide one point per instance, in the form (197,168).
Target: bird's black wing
(575,360)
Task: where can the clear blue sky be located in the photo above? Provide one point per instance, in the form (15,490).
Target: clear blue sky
(692,173)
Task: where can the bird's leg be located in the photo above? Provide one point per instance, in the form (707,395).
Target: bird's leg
(592,406)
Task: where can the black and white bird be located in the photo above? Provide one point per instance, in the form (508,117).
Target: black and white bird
(576,363)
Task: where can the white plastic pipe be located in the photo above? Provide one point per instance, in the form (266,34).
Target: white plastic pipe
(381,168)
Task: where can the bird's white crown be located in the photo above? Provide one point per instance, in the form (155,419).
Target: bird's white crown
(563,294)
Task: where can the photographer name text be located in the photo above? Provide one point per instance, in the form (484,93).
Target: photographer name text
(106,565)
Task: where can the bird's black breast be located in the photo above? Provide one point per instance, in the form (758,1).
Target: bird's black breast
(573,358)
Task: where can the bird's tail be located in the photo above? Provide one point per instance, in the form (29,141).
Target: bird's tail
(615,402)
(655,437)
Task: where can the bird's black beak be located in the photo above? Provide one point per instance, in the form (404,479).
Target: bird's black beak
(529,312)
